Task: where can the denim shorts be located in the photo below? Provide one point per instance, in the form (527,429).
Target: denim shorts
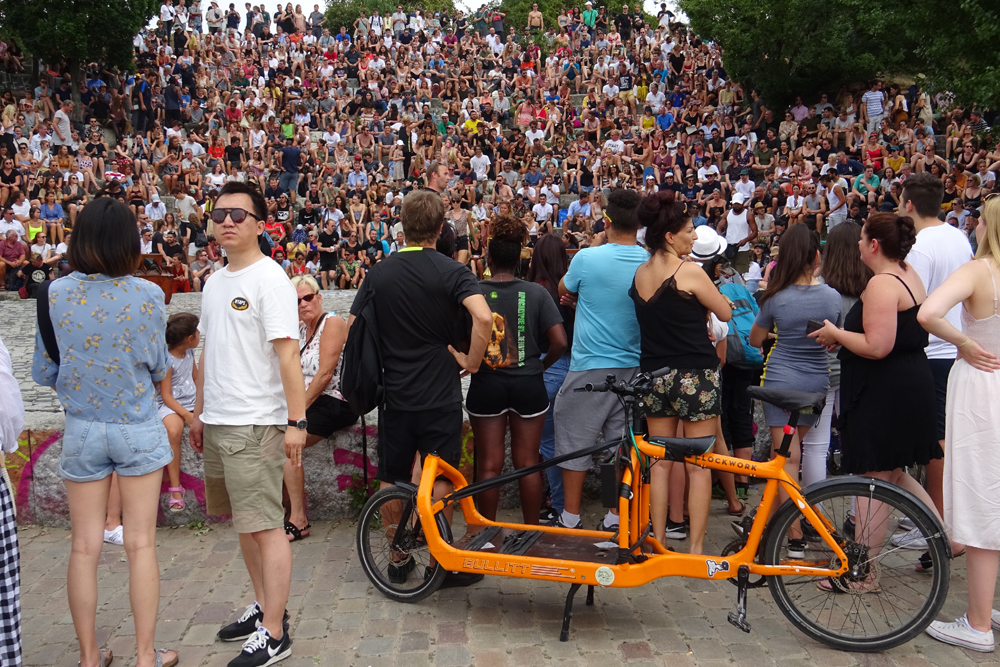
(93,450)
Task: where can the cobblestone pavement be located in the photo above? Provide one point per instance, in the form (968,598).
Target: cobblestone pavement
(338,619)
(18,332)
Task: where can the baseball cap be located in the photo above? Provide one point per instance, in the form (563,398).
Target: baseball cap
(738,198)
(744,171)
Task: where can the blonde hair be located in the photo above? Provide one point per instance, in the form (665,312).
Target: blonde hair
(308,281)
(990,245)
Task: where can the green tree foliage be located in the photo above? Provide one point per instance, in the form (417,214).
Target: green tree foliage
(79,31)
(784,48)
(346,12)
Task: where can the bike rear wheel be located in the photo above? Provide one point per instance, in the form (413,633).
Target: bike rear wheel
(883,601)
(404,571)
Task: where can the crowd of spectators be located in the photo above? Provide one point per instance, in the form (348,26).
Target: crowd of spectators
(336,124)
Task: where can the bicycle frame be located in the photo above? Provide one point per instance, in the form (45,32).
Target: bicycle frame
(638,558)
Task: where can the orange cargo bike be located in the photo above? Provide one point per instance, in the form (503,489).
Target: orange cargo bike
(850,588)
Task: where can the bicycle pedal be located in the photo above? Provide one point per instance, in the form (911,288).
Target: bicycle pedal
(739,621)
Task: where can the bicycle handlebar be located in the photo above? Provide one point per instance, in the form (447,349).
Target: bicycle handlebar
(637,387)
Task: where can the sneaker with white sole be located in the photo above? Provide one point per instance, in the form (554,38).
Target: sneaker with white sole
(961,634)
(114,536)
(261,650)
(797,549)
(676,531)
(995,621)
(606,527)
(911,539)
(906,523)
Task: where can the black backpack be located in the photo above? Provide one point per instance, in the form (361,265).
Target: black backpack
(361,380)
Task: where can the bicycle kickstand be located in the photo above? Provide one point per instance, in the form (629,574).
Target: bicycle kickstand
(568,612)
(739,617)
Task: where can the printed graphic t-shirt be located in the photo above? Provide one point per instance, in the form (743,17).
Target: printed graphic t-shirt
(523,312)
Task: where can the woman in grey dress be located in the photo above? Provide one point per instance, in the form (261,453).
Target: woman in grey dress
(793,297)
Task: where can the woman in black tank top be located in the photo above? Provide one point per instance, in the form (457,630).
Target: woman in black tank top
(672,300)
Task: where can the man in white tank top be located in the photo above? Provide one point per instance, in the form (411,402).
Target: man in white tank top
(835,189)
(741,230)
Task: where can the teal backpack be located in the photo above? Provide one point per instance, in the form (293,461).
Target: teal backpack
(739,352)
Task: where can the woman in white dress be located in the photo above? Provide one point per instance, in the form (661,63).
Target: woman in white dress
(972,436)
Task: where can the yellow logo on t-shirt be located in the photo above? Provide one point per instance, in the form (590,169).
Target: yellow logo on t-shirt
(239,303)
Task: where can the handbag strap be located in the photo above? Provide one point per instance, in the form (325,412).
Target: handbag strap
(319,325)
(45,329)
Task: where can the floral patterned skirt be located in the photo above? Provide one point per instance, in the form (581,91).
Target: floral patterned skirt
(691,394)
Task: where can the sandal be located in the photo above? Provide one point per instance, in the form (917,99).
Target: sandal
(160,652)
(926,563)
(740,511)
(827,586)
(295,531)
(176,504)
(106,657)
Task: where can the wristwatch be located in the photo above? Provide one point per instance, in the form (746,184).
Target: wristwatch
(299,424)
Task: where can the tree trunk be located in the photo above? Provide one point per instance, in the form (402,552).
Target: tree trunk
(75,67)
(35,66)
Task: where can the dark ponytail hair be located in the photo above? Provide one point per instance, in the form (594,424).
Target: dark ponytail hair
(505,244)
(895,235)
(180,326)
(662,214)
(798,255)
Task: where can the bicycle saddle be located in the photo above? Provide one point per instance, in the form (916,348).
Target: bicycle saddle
(791,400)
(678,449)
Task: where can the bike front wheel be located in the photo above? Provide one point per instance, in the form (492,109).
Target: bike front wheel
(884,600)
(393,549)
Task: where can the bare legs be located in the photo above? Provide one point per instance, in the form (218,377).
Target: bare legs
(295,482)
(525,436)
(175,428)
(981,571)
(268,557)
(88,503)
(699,482)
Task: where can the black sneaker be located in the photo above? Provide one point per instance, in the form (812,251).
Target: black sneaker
(261,650)
(605,527)
(809,533)
(247,624)
(455,579)
(400,572)
(797,549)
(558,523)
(849,528)
(676,531)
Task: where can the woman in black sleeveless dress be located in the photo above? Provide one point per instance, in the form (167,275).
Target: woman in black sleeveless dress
(672,300)
(888,416)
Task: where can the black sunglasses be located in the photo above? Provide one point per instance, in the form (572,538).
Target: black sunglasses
(237,215)
(307,298)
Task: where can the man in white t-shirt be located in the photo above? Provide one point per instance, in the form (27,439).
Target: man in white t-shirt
(939,250)
(480,164)
(249,417)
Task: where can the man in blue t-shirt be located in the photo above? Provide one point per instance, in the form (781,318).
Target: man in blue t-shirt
(605,342)
(288,160)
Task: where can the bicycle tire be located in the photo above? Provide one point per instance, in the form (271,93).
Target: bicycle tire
(873,608)
(370,521)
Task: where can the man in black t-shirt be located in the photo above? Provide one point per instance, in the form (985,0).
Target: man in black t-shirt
(309,215)
(371,249)
(234,154)
(623,22)
(420,301)
(329,242)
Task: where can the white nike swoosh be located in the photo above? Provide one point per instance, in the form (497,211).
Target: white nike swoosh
(271,652)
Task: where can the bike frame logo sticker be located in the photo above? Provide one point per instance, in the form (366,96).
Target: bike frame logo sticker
(715,567)
(604,575)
